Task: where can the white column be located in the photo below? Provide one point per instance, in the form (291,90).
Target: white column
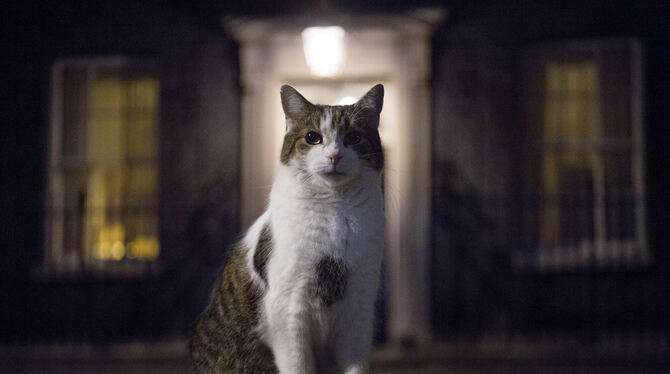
(256,178)
(409,227)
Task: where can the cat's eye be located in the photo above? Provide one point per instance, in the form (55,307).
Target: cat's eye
(313,138)
(352,138)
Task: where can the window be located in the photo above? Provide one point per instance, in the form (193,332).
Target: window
(103,174)
(584,200)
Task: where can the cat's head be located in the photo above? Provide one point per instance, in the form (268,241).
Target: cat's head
(332,145)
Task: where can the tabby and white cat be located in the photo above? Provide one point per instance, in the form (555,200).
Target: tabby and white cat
(297,295)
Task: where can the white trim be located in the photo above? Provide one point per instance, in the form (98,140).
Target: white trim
(53,246)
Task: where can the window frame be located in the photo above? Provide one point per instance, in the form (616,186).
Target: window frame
(54,263)
(557,259)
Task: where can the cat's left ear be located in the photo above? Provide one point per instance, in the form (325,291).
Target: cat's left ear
(373,100)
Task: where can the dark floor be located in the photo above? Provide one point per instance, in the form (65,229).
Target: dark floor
(171,358)
(181,366)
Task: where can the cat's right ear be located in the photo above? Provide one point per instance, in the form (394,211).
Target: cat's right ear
(294,104)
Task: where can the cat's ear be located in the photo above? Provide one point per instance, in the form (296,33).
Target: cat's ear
(294,104)
(374,99)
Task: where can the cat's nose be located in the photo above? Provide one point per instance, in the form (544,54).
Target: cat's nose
(335,158)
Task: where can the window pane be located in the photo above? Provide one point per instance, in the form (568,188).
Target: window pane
(571,98)
(74,101)
(107,116)
(616,93)
(619,196)
(74,212)
(140,213)
(142,101)
(566,168)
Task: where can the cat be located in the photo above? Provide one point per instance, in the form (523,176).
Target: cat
(297,294)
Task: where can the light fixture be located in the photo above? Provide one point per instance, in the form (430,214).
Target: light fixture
(324,50)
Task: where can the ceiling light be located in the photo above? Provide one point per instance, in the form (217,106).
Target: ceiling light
(324,50)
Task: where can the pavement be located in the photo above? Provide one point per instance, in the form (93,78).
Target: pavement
(171,358)
(182,366)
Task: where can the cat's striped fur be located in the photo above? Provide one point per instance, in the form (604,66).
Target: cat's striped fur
(225,341)
(297,293)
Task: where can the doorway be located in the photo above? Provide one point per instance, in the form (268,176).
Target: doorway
(392,49)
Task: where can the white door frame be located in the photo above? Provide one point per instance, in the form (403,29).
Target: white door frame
(393,49)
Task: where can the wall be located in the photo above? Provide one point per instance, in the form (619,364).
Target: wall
(200,173)
(475,134)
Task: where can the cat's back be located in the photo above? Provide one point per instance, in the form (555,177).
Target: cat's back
(226,340)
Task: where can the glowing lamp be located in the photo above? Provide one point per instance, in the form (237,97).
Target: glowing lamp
(324,50)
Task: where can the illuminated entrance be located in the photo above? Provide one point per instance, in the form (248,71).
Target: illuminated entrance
(390,49)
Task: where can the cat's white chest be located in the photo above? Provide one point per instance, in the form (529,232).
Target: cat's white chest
(346,227)
(302,239)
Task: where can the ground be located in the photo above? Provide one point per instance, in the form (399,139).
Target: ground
(171,358)
(182,366)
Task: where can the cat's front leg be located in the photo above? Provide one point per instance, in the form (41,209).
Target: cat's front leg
(353,347)
(287,314)
(355,327)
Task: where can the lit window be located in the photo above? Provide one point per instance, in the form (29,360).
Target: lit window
(585,202)
(103,174)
